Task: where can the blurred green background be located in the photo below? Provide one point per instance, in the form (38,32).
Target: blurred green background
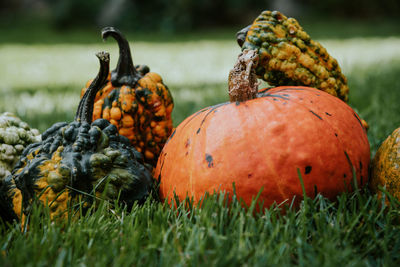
(47,50)
(169,17)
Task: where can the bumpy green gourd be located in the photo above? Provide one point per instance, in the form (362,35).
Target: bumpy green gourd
(288,56)
(15,135)
(76,164)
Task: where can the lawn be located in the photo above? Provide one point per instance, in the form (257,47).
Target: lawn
(42,82)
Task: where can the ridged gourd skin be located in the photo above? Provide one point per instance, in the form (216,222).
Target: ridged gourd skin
(136,101)
(75,165)
(262,143)
(288,56)
(15,135)
(385,171)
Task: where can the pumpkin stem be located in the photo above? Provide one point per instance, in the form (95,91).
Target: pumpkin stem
(125,73)
(85,107)
(242,81)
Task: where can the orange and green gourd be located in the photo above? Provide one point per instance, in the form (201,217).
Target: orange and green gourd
(75,165)
(136,101)
(288,56)
(386,166)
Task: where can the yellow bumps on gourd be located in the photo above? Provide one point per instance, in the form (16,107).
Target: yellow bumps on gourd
(127,121)
(104,92)
(49,187)
(17,202)
(115,111)
(106,113)
(97,109)
(126,98)
(155,77)
(147,82)
(288,56)
(386,166)
(148,154)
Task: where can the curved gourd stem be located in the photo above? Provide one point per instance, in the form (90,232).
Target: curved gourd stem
(242,82)
(85,107)
(125,73)
(241,35)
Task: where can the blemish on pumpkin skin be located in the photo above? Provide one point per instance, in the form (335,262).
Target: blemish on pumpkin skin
(187,143)
(315,114)
(195,115)
(249,175)
(328,114)
(210,110)
(307,169)
(209,160)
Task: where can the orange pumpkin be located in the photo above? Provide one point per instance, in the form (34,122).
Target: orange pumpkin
(263,141)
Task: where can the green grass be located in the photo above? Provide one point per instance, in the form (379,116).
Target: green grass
(373,94)
(355,230)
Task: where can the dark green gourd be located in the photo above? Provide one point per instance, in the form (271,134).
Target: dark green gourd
(76,163)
